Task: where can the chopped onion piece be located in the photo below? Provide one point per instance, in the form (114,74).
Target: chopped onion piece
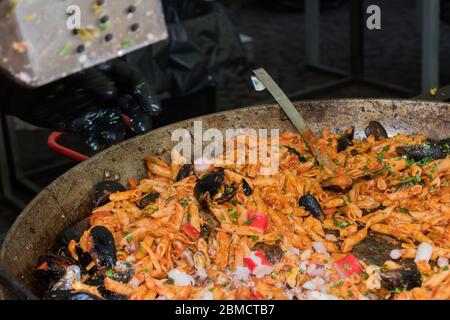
(208,295)
(319,247)
(201,165)
(396,254)
(180,278)
(314,284)
(316,295)
(424,252)
(442,262)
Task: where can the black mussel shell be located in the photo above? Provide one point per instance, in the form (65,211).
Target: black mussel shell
(311,204)
(406,278)
(85,260)
(148,200)
(75,232)
(294,151)
(53,267)
(377,130)
(445,144)
(69,295)
(109,295)
(246,188)
(346,139)
(421,152)
(207,187)
(104,189)
(273,253)
(104,248)
(229,191)
(186,170)
(209,226)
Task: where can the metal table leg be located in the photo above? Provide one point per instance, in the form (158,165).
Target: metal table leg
(430,44)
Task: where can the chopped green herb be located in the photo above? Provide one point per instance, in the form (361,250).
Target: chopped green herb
(422,163)
(338,284)
(380,157)
(346,266)
(129,238)
(150,208)
(103,26)
(234,216)
(412,180)
(185,203)
(126,43)
(340,224)
(170,281)
(250,221)
(109,273)
(140,86)
(405,211)
(234,202)
(223,218)
(65,50)
(366,166)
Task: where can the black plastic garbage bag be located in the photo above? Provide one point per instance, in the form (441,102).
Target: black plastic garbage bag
(203,49)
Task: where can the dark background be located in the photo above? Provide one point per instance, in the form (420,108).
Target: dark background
(392,55)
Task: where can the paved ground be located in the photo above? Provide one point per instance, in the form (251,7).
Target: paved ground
(392,55)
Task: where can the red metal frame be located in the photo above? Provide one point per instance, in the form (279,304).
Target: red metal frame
(69,153)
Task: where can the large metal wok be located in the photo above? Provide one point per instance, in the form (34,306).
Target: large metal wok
(70,198)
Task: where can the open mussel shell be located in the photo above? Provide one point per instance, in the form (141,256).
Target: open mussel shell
(246,188)
(104,189)
(406,278)
(147,200)
(103,247)
(229,191)
(186,170)
(421,152)
(52,268)
(273,253)
(207,187)
(346,139)
(376,130)
(70,295)
(109,295)
(75,232)
(310,203)
(375,249)
(295,152)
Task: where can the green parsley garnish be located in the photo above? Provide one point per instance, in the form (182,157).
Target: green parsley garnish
(65,50)
(405,211)
(150,208)
(380,157)
(126,43)
(234,216)
(185,203)
(250,221)
(109,273)
(103,26)
(340,224)
(412,180)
